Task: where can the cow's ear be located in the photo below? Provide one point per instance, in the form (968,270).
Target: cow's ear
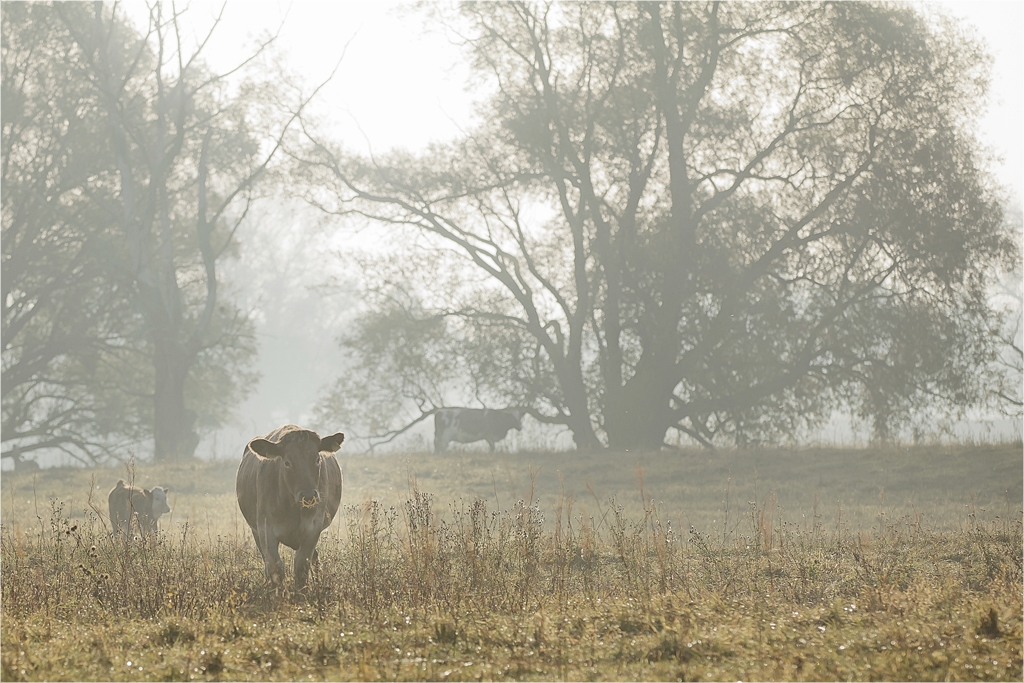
(332,443)
(268,449)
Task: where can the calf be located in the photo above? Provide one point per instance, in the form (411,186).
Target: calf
(289,489)
(145,505)
(466,425)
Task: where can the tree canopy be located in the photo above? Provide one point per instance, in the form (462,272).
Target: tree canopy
(722,219)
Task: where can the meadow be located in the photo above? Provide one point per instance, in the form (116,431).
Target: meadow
(809,564)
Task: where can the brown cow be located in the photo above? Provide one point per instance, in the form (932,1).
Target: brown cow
(145,505)
(289,489)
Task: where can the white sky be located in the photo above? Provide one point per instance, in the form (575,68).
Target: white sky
(402,85)
(398,85)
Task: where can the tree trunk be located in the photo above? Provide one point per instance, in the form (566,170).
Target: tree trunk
(579,419)
(639,413)
(173,424)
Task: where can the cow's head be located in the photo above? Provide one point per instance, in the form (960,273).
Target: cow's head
(159,496)
(517,413)
(301,455)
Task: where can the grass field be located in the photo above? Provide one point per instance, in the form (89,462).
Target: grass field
(817,564)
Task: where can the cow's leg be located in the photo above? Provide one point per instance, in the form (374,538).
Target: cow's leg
(439,442)
(304,557)
(270,550)
(274,563)
(259,545)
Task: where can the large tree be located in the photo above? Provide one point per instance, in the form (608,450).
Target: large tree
(726,219)
(67,330)
(129,165)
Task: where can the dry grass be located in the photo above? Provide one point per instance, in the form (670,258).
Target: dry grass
(443,569)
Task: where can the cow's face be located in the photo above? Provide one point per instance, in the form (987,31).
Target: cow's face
(160,505)
(301,455)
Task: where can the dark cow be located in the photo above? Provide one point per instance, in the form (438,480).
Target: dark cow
(289,489)
(145,505)
(465,425)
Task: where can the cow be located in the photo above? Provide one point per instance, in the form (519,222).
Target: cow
(145,505)
(466,425)
(289,489)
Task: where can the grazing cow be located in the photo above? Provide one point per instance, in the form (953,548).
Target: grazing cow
(146,505)
(289,489)
(465,425)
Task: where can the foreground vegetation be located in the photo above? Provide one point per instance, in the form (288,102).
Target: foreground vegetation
(452,588)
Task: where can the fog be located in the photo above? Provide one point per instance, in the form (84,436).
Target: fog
(386,46)
(291,278)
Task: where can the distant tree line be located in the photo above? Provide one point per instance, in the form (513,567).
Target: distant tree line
(720,220)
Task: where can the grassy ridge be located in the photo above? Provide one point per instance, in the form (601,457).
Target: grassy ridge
(765,565)
(712,491)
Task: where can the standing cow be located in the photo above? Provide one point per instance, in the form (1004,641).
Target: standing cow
(466,425)
(145,505)
(289,489)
